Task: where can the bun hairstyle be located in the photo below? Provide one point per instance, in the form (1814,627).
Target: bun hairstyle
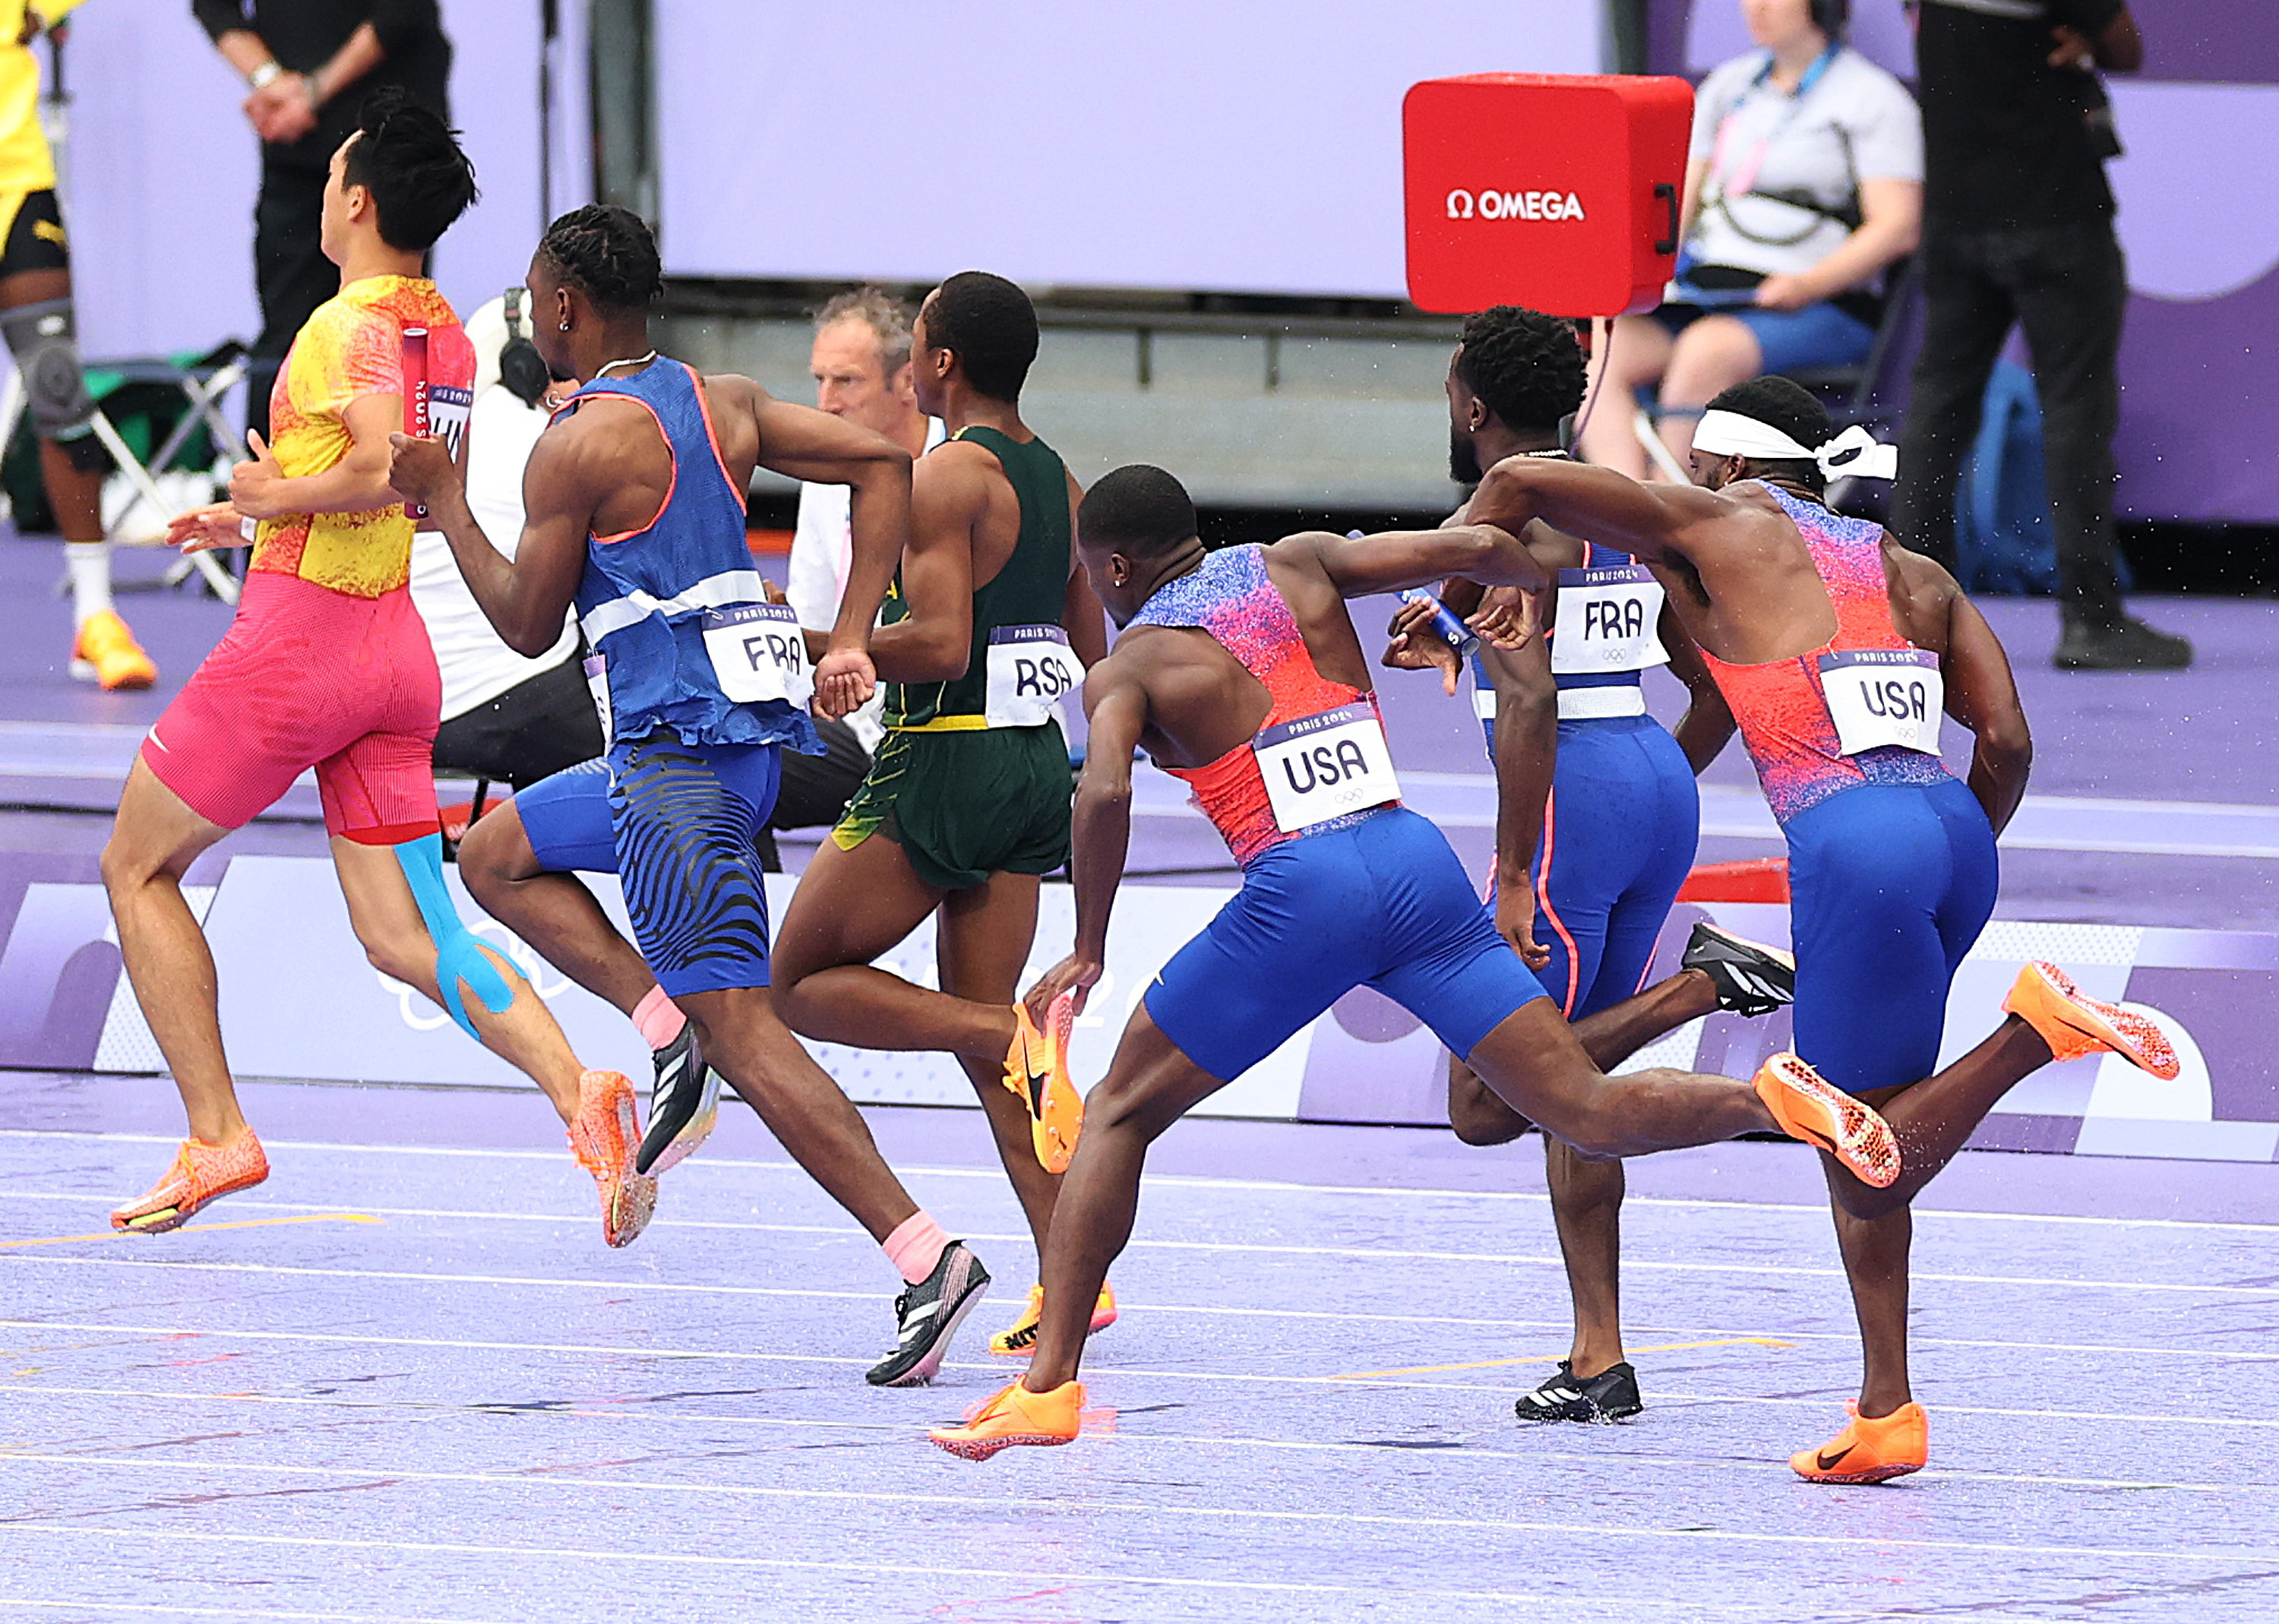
(1832,17)
(410,161)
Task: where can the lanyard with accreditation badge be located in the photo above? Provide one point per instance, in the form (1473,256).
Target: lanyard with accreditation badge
(1729,179)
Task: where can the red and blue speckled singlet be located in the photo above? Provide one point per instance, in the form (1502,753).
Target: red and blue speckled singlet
(1780,707)
(1229,596)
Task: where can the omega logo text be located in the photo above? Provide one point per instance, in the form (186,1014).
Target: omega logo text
(1491,205)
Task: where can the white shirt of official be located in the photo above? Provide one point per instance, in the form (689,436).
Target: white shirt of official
(502,432)
(1856,123)
(822,552)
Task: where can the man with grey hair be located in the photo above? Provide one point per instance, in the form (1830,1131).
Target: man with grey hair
(861,363)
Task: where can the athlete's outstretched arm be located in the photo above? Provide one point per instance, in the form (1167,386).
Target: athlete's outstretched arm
(1651,521)
(1116,705)
(1526,756)
(357,483)
(1388,562)
(811,445)
(1981,694)
(525,597)
(1706,727)
(949,494)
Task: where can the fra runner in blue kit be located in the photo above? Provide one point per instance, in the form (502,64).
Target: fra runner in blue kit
(1597,818)
(1838,650)
(1239,671)
(635,507)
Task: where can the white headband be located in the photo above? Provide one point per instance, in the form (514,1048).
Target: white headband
(1853,452)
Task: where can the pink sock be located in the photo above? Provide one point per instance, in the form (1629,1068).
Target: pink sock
(916,1246)
(658,1019)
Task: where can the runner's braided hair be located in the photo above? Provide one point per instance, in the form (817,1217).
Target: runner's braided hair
(1525,366)
(608,254)
(1788,406)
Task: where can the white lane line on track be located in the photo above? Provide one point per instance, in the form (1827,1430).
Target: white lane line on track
(995,1372)
(684,1558)
(841,1231)
(240,1613)
(1469,1450)
(1640,1328)
(1362,1254)
(1192,1181)
(547,1478)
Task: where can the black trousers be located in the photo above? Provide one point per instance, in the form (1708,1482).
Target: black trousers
(2068,287)
(290,272)
(532,731)
(814,790)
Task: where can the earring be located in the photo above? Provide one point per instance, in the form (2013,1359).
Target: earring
(565,326)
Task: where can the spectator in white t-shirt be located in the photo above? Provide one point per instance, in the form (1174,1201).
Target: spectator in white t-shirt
(861,363)
(505,718)
(1804,182)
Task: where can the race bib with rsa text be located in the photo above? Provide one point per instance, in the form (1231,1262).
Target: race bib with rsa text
(1031,669)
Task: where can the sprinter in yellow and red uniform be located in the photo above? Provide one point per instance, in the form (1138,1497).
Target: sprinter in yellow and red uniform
(328,665)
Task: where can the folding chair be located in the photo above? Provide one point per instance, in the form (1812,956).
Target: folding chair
(202,383)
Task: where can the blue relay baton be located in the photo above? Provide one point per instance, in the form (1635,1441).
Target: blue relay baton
(1444,621)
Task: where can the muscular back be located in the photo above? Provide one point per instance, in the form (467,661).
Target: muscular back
(620,457)
(1201,702)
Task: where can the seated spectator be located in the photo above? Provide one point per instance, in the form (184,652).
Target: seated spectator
(1805,181)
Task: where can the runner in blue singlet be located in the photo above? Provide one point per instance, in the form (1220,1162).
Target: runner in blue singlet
(634,506)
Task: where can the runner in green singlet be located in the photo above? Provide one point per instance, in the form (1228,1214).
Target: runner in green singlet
(966,805)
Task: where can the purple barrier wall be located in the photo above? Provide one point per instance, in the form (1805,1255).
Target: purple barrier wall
(2201,403)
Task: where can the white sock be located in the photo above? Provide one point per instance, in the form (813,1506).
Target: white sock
(90,578)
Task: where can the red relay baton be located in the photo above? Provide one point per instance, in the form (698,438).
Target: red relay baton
(415,398)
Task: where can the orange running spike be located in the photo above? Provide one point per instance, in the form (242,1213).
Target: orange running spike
(2074,1024)
(1037,1074)
(201,1173)
(604,1134)
(1808,1108)
(1014,1415)
(1018,1340)
(1868,1451)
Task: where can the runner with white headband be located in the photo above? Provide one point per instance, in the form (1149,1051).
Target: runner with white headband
(1837,651)
(1854,453)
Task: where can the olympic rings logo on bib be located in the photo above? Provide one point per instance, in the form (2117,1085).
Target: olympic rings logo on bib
(1031,670)
(1884,699)
(759,653)
(1324,766)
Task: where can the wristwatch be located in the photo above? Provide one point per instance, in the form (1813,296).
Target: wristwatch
(260,77)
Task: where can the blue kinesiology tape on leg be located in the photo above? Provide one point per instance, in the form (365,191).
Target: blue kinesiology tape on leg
(458,956)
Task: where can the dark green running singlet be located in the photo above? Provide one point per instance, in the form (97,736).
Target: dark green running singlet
(964,799)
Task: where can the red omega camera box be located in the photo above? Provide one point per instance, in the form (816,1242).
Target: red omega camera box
(1556,191)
